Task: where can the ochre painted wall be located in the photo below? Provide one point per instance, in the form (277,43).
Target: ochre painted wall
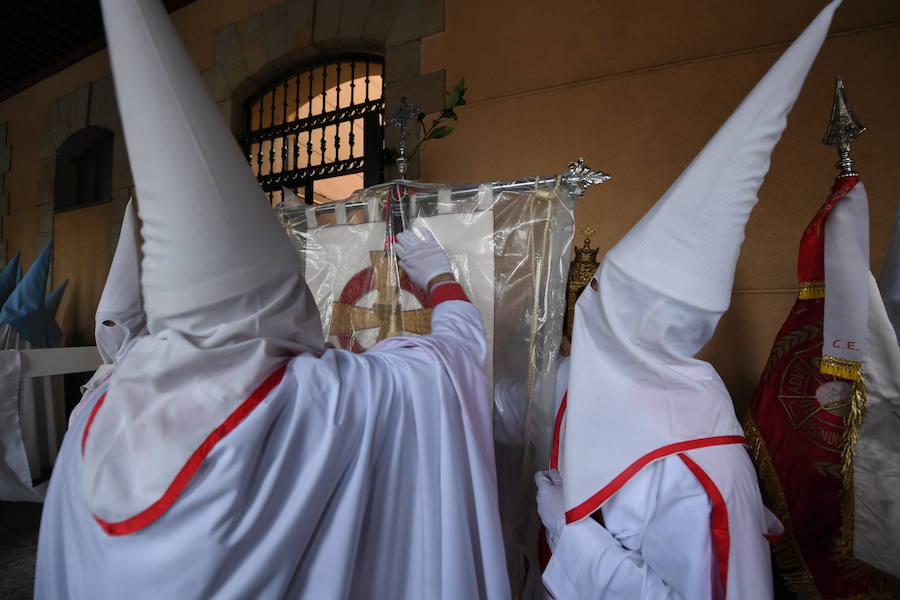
(82,252)
(637,88)
(79,240)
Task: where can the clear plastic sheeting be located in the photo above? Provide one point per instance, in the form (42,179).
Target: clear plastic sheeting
(509,247)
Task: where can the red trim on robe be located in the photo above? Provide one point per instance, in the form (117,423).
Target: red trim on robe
(90,421)
(594,502)
(448,291)
(155,510)
(718,520)
(557,425)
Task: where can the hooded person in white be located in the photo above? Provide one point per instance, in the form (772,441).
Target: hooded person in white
(649,434)
(228,455)
(120,319)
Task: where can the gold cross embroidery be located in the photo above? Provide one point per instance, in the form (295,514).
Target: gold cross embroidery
(385,313)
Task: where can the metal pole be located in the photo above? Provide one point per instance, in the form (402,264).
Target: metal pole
(577,179)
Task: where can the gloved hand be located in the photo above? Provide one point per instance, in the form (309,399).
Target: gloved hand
(550,505)
(423,259)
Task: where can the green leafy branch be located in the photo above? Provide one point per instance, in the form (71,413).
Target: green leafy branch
(438,128)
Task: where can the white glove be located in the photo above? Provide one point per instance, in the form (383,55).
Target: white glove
(550,505)
(423,259)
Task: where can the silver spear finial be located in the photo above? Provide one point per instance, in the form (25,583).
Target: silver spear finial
(405,113)
(843,128)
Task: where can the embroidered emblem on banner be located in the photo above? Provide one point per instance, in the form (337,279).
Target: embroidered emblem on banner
(800,378)
(385,312)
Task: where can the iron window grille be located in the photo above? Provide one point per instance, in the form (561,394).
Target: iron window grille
(84,166)
(320,131)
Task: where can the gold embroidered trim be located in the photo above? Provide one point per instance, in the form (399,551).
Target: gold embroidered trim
(879,583)
(837,405)
(794,570)
(811,290)
(840,367)
(793,567)
(851,436)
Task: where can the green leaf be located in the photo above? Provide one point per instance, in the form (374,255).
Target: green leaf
(455,96)
(439,132)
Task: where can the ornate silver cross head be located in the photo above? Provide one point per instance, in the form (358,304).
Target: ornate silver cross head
(401,118)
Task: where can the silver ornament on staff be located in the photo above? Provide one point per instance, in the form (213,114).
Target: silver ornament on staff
(843,128)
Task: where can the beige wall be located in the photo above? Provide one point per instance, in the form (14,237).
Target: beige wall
(638,87)
(79,235)
(238,46)
(81,248)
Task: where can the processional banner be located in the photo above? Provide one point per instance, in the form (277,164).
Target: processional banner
(801,431)
(509,249)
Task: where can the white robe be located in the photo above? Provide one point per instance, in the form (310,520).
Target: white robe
(666,538)
(658,540)
(358,476)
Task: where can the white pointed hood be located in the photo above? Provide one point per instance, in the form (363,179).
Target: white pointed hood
(636,392)
(120,317)
(889,280)
(225,302)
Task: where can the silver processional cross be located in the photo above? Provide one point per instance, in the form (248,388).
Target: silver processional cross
(405,113)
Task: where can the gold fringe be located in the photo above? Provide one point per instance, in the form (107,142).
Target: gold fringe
(840,367)
(793,567)
(879,584)
(794,570)
(852,425)
(811,290)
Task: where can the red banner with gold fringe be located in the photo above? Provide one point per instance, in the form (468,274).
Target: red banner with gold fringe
(796,432)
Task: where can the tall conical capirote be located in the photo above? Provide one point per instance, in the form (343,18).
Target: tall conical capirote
(636,391)
(25,309)
(51,307)
(120,317)
(209,233)
(687,245)
(222,288)
(9,278)
(54,298)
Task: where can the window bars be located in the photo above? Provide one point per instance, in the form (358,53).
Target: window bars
(318,123)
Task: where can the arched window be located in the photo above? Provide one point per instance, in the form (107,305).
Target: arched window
(318,131)
(84,169)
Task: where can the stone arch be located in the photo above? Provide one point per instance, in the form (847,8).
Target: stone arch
(91,106)
(253,51)
(68,187)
